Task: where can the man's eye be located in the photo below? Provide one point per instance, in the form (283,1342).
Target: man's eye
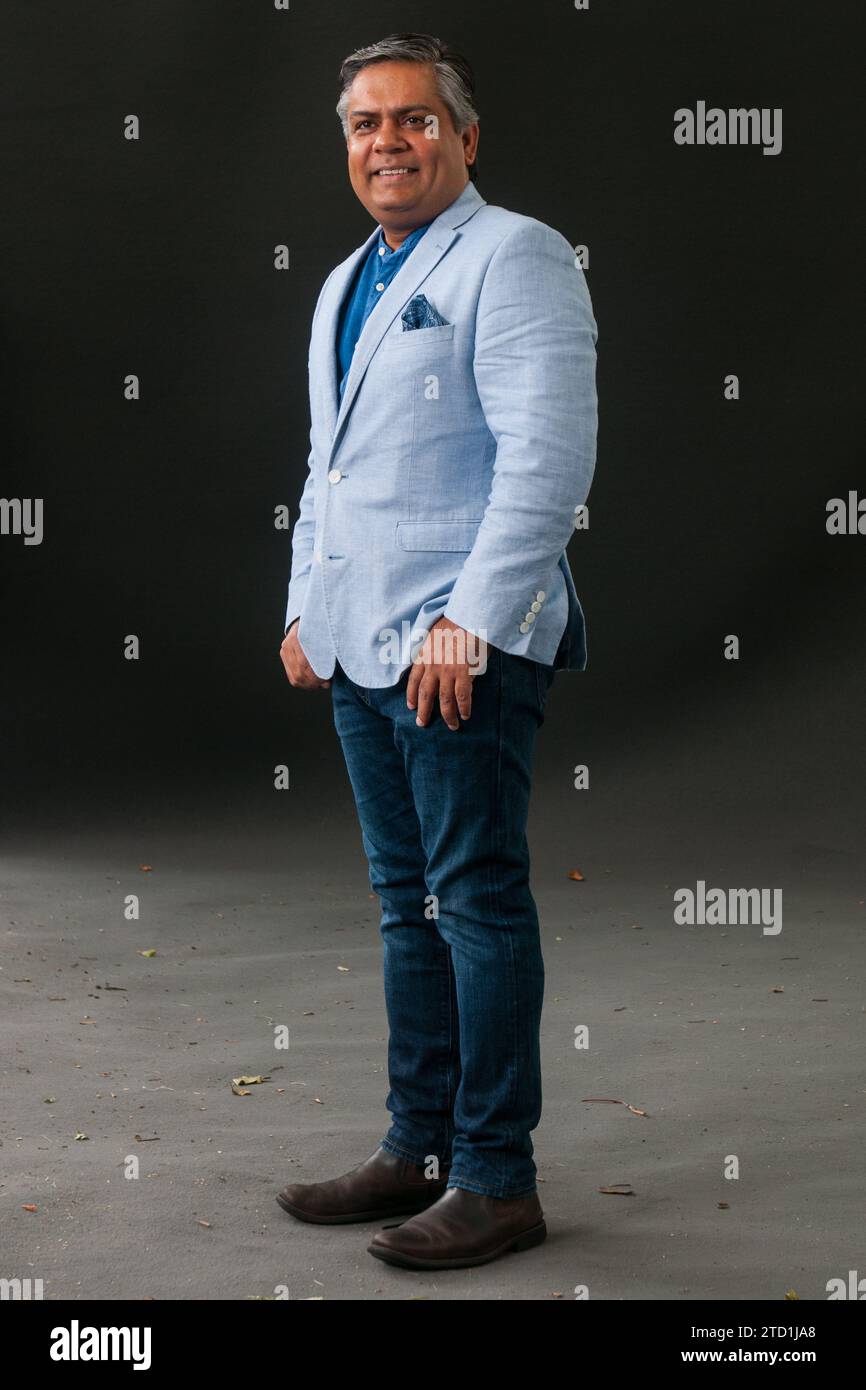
(360,125)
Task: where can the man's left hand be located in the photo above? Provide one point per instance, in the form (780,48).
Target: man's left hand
(445,667)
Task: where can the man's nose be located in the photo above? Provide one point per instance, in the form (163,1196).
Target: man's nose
(389,135)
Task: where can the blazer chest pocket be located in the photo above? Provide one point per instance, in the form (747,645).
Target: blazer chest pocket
(411,342)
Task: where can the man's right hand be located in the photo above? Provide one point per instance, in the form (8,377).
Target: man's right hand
(298,668)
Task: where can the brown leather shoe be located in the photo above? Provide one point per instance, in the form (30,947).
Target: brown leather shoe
(462,1229)
(383,1185)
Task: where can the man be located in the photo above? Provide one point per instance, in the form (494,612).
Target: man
(453,404)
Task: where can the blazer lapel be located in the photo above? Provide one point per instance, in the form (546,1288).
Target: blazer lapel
(324,349)
(429,251)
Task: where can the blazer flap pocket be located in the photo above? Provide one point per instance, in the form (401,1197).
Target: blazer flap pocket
(437,535)
(409,339)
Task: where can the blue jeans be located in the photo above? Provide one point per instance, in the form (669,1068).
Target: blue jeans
(443,820)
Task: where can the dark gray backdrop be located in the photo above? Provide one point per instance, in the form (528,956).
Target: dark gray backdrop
(156,257)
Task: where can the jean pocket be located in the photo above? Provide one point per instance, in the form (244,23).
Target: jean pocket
(543,681)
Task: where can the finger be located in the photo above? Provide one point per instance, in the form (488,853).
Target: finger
(426,696)
(416,671)
(302,674)
(291,669)
(463,694)
(306,669)
(447,702)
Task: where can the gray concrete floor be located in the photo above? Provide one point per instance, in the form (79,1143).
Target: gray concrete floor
(252,907)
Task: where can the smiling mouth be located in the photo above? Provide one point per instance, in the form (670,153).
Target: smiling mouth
(399,171)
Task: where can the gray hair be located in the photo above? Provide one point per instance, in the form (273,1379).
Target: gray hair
(455,80)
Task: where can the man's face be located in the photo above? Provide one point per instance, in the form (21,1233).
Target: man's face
(388,115)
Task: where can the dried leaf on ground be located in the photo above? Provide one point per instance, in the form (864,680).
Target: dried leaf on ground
(607,1100)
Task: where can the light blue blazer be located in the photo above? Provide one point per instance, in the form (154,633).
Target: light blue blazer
(449,478)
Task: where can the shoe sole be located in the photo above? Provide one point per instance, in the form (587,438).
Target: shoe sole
(525,1241)
(349,1218)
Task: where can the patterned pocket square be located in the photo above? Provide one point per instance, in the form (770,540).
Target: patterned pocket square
(420,314)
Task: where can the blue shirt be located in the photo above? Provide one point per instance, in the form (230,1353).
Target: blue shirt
(372,278)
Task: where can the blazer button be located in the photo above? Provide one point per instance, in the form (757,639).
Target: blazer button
(529,617)
(334,476)
(536,606)
(524,627)
(540,596)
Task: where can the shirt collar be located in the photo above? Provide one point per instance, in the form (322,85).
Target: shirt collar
(410,241)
